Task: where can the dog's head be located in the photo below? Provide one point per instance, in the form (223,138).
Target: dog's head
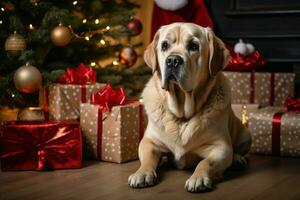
(186,54)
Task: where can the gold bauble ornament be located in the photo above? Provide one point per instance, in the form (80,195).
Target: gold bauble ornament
(27,79)
(31,114)
(15,44)
(61,35)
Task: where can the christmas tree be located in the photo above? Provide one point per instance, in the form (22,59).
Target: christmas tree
(53,35)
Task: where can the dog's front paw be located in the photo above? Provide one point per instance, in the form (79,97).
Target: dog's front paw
(239,162)
(198,184)
(142,178)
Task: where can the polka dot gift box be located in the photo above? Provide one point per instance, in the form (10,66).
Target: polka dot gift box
(111,134)
(261,88)
(72,88)
(65,99)
(276,131)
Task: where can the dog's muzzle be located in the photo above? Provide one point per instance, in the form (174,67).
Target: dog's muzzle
(172,70)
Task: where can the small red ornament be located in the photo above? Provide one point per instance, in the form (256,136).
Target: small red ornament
(8,6)
(128,56)
(135,26)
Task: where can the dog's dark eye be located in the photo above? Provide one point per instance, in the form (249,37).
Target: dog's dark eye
(164,46)
(193,46)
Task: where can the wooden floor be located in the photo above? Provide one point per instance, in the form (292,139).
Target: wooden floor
(265,178)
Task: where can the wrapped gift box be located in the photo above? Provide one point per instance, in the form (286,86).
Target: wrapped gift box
(260,88)
(111,136)
(275,131)
(242,111)
(40,145)
(112,127)
(65,99)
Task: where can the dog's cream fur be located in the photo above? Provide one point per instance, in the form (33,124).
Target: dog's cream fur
(193,119)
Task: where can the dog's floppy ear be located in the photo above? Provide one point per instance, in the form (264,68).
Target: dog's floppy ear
(150,55)
(219,56)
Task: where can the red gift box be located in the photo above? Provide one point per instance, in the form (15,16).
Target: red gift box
(40,145)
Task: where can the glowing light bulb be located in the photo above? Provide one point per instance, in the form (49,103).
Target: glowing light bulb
(97,21)
(31,27)
(115,62)
(93,64)
(1,22)
(87,38)
(75,2)
(84,21)
(108,27)
(12,95)
(102,42)
(3,9)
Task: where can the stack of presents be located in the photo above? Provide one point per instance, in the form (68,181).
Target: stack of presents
(89,120)
(84,120)
(264,102)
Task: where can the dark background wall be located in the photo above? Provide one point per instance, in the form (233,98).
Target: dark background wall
(273,26)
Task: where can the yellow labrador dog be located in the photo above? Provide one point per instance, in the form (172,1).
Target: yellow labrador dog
(187,101)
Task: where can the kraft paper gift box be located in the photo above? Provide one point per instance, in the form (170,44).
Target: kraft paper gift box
(112,134)
(261,88)
(40,145)
(72,89)
(65,99)
(276,131)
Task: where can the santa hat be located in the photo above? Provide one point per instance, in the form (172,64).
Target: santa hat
(170,11)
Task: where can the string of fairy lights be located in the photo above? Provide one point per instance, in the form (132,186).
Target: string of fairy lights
(62,35)
(134,25)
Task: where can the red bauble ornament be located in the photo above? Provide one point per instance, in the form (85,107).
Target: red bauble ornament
(135,26)
(128,56)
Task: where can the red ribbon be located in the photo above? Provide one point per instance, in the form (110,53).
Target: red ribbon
(252,88)
(81,75)
(83,93)
(276,123)
(291,105)
(40,145)
(46,103)
(108,97)
(272,88)
(245,63)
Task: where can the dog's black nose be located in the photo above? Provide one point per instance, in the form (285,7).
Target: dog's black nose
(174,61)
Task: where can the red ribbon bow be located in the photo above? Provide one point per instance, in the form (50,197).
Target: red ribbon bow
(292,104)
(81,75)
(245,63)
(108,97)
